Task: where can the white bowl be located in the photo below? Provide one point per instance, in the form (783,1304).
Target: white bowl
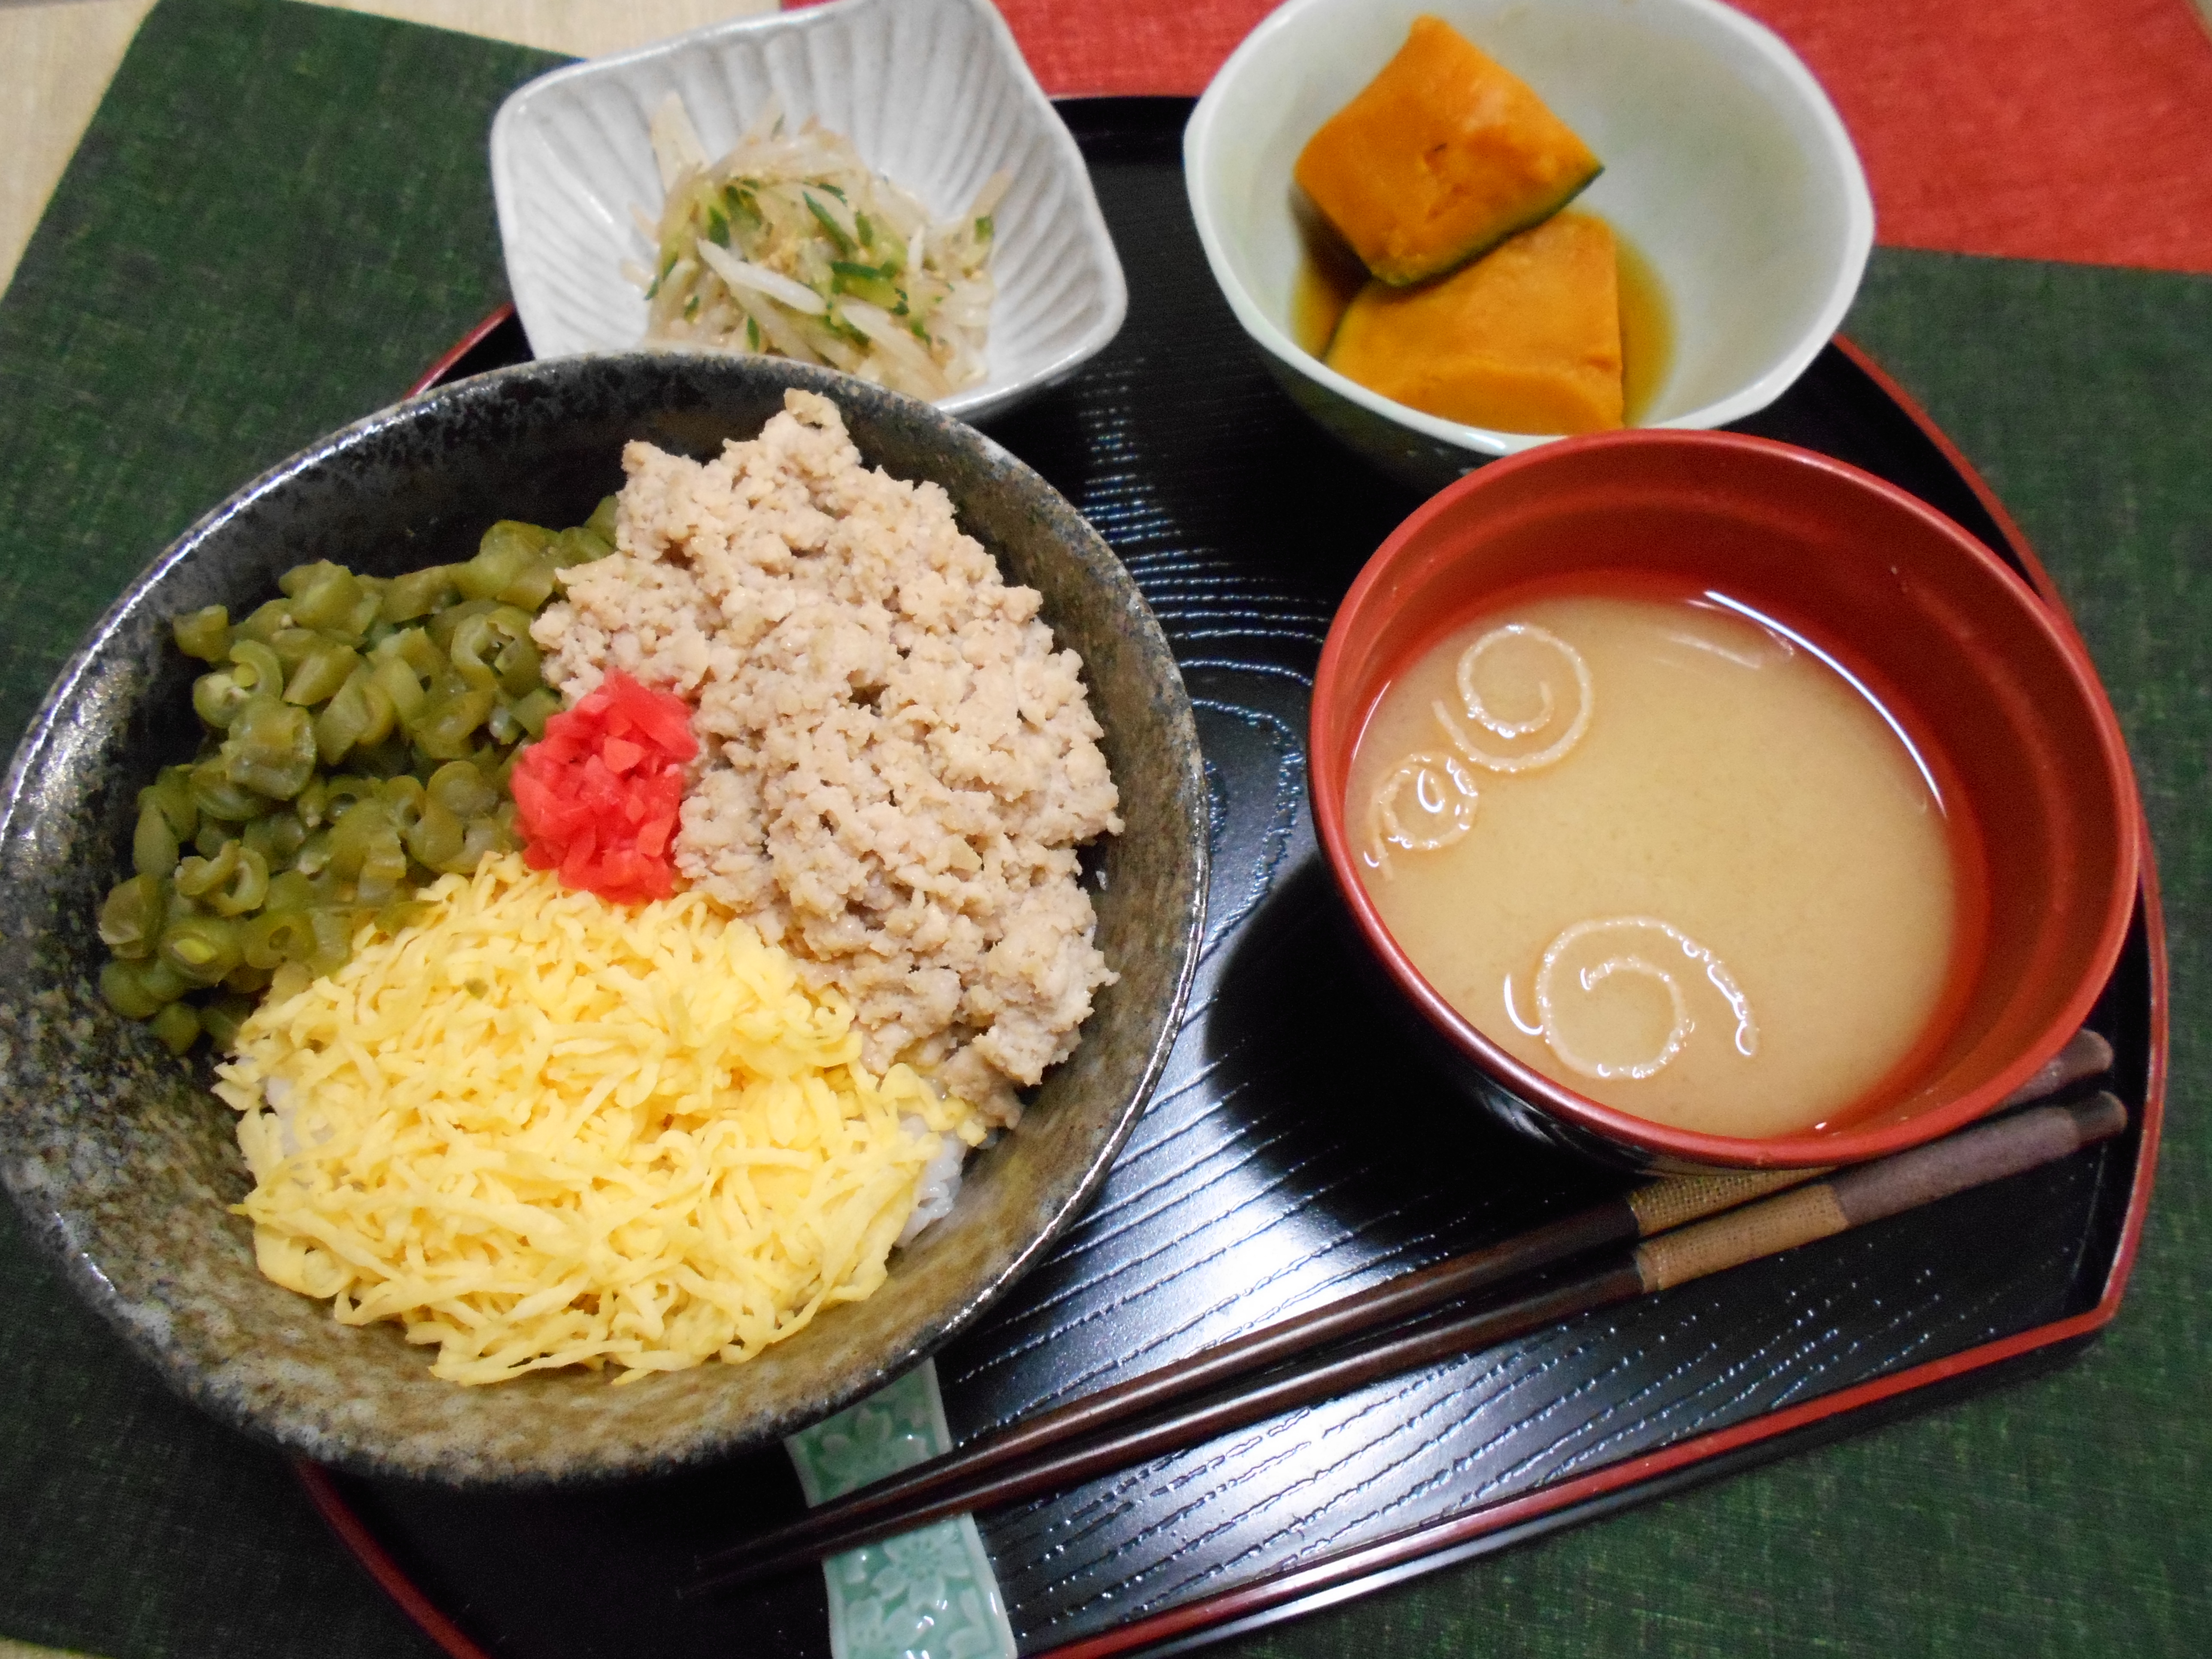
(933,92)
(1725,166)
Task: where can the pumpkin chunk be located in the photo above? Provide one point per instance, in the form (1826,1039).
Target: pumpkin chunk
(1441,156)
(1525,339)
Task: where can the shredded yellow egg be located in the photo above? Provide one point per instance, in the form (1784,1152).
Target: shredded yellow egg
(539,1129)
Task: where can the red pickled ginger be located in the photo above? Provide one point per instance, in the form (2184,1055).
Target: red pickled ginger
(598,797)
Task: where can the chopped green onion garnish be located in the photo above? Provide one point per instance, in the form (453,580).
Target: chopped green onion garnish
(822,216)
(866,282)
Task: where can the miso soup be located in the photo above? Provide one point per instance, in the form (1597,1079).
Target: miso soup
(1664,852)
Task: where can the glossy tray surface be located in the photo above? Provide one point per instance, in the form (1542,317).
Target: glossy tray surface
(1292,1153)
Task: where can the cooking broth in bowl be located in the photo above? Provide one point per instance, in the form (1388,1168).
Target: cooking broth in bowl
(1329,275)
(1664,851)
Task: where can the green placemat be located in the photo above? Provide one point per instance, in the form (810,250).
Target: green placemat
(280,214)
(278,218)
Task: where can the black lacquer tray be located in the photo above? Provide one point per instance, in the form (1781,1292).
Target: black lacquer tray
(1292,1153)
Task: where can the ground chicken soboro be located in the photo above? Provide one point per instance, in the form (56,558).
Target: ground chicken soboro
(896,766)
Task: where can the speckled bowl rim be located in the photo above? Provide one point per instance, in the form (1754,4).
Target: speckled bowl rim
(71,731)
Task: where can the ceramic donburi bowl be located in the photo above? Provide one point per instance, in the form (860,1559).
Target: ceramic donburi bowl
(124,1163)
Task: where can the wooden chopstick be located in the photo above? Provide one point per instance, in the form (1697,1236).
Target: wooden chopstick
(1069,1442)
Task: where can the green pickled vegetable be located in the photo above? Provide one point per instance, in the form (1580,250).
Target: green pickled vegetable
(204,633)
(483,836)
(291,890)
(494,649)
(313,856)
(218,798)
(220,1017)
(317,679)
(367,849)
(154,848)
(202,948)
(415,646)
(418,593)
(438,834)
(401,912)
(171,791)
(359,713)
(177,1025)
(255,665)
(197,877)
(293,646)
(508,554)
(262,623)
(578,546)
(324,595)
(217,697)
(271,749)
(446,730)
(534,710)
(333,940)
(460,787)
(123,990)
(232,883)
(399,681)
(131,916)
(342,791)
(277,936)
(402,797)
(257,861)
(276,836)
(246,980)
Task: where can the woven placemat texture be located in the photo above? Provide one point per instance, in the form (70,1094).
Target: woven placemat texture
(280,215)
(278,218)
(2037,128)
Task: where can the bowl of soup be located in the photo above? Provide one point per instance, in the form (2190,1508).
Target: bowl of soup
(1731,189)
(1710,803)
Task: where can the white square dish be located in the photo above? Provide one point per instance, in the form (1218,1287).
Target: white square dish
(933,92)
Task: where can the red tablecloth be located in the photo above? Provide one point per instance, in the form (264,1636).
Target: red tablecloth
(2039,129)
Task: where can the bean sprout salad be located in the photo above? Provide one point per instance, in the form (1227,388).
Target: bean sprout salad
(791,245)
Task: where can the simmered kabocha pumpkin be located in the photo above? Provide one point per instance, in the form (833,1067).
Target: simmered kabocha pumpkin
(1441,156)
(1525,339)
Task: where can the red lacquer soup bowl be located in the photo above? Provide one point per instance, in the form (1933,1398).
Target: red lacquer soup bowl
(1983,678)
